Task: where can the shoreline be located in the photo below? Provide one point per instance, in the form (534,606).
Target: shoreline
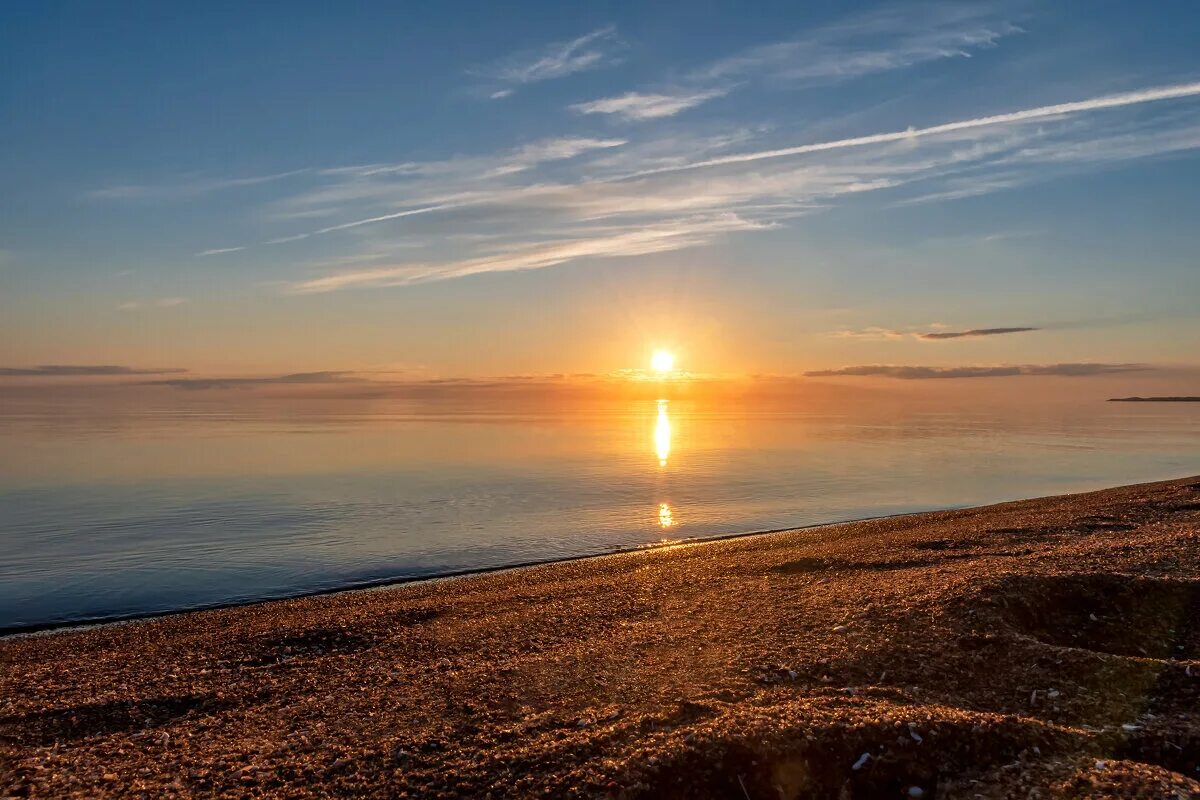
(48,628)
(1050,644)
(87,623)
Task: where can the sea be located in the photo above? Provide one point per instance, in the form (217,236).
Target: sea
(117,512)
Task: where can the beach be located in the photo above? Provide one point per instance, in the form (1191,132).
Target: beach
(1046,648)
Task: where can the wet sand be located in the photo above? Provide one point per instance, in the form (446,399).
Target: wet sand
(1044,648)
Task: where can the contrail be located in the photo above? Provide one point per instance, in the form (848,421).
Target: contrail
(1041,112)
(408,213)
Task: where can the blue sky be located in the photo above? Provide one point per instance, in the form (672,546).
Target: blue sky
(492,189)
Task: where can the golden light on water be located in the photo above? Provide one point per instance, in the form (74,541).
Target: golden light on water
(662,362)
(662,434)
(662,449)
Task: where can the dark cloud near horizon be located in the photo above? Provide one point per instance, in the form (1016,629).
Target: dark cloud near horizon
(921,373)
(295,378)
(939,335)
(59,370)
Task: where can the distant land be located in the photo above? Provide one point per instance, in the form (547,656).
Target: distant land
(1154,399)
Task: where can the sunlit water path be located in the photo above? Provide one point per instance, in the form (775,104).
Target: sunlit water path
(119,514)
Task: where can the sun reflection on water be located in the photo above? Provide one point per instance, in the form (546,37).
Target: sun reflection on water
(662,449)
(662,434)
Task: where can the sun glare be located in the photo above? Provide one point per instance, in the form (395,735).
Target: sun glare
(662,434)
(662,361)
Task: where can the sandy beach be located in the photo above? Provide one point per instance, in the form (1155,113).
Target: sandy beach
(1043,648)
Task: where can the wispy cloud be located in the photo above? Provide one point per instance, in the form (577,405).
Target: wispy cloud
(870,334)
(592,50)
(474,167)
(161,302)
(78,370)
(448,185)
(889,334)
(939,335)
(966,186)
(1103,102)
(189,187)
(907,165)
(295,378)
(560,199)
(891,38)
(640,106)
(546,150)
(622,241)
(921,373)
(881,41)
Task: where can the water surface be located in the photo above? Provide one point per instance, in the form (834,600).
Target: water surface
(127,511)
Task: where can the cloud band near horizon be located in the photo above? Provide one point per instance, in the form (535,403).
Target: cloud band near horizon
(974,332)
(1001,371)
(78,370)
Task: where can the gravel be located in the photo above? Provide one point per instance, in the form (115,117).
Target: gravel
(887,658)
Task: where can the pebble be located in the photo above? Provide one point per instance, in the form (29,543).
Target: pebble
(492,741)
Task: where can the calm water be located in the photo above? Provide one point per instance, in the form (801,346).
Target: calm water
(127,512)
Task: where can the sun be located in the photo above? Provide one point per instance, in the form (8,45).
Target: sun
(662,361)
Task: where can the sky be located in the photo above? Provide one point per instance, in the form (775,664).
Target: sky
(311,192)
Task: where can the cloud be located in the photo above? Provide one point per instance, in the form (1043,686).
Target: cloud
(631,240)
(938,335)
(892,38)
(639,106)
(1173,92)
(963,188)
(162,302)
(901,167)
(186,188)
(653,197)
(557,199)
(877,42)
(296,378)
(888,334)
(921,373)
(74,370)
(472,168)
(372,182)
(872,334)
(555,60)
(546,150)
